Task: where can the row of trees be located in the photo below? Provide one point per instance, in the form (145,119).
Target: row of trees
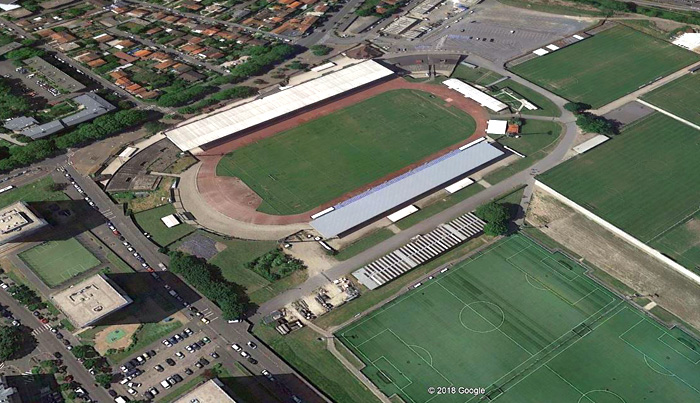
(612,6)
(589,122)
(183,96)
(275,265)
(229,93)
(207,279)
(102,127)
(262,59)
(11,105)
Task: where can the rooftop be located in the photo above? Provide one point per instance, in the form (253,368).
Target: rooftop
(208,392)
(91,300)
(16,220)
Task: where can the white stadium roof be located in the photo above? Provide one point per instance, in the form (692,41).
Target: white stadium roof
(470,92)
(234,120)
(395,192)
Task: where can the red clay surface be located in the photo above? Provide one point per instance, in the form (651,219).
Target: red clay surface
(233,198)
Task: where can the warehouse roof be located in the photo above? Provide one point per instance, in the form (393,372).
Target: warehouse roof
(470,92)
(253,113)
(94,106)
(211,391)
(39,131)
(91,300)
(370,204)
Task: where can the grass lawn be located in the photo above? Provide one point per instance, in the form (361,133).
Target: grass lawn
(364,243)
(682,243)
(644,181)
(33,192)
(56,262)
(149,221)
(546,107)
(539,329)
(555,7)
(309,356)
(234,254)
(437,206)
(605,67)
(153,199)
(479,75)
(320,160)
(537,139)
(681,97)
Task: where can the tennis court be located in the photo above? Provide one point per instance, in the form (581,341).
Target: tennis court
(527,326)
(58,261)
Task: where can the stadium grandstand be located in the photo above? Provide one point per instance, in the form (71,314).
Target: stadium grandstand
(235,120)
(476,95)
(396,192)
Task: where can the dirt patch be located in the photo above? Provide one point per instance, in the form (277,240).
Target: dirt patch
(313,255)
(116,337)
(603,249)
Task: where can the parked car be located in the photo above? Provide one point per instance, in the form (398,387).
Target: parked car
(252,345)
(170,362)
(159,368)
(236,347)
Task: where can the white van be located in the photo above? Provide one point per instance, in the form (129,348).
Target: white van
(165,384)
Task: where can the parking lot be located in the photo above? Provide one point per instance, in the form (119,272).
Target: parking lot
(175,363)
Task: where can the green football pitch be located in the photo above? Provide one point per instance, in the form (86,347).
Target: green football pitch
(527,326)
(56,262)
(644,181)
(681,97)
(605,67)
(320,160)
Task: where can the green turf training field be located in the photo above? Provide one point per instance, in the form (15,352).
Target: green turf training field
(318,161)
(527,326)
(605,67)
(644,181)
(56,262)
(681,97)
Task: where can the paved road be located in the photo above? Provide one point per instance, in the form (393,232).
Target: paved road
(49,343)
(219,330)
(525,177)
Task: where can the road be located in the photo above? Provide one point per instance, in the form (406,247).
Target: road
(525,177)
(48,343)
(220,331)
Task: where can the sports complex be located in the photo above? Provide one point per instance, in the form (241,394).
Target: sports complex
(606,66)
(323,150)
(527,326)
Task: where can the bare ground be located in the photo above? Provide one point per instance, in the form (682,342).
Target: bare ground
(617,257)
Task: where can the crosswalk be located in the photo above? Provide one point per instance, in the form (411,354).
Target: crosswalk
(208,313)
(41,329)
(108,214)
(422,249)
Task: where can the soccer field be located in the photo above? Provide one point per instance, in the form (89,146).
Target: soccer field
(605,67)
(528,326)
(318,161)
(644,181)
(681,97)
(58,261)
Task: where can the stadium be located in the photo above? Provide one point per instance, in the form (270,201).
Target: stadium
(340,150)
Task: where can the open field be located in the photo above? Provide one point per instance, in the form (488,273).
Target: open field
(606,66)
(364,243)
(56,262)
(526,325)
(643,181)
(149,221)
(681,97)
(320,160)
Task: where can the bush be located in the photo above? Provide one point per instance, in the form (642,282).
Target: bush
(320,50)
(275,265)
(10,342)
(183,96)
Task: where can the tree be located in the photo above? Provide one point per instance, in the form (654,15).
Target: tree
(321,50)
(576,107)
(496,216)
(591,123)
(104,379)
(10,342)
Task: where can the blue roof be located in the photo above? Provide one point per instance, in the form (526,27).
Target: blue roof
(378,200)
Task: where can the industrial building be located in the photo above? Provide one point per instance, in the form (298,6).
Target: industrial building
(90,300)
(247,116)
